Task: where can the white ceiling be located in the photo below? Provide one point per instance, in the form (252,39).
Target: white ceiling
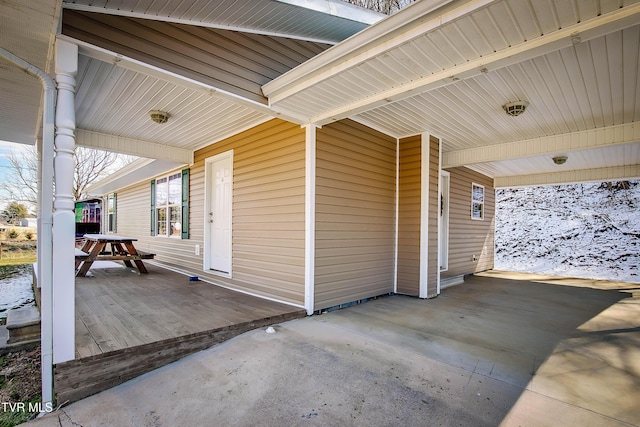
(27,29)
(114,94)
(450,72)
(599,162)
(197,117)
(446,72)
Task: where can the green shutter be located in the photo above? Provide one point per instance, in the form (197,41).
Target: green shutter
(115,213)
(78,212)
(185,203)
(153,207)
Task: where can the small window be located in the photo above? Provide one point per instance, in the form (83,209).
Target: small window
(111,213)
(168,209)
(477,201)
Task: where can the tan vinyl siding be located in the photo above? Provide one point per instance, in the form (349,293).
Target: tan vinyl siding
(355,211)
(409,200)
(434,213)
(134,219)
(268,214)
(469,237)
(237,62)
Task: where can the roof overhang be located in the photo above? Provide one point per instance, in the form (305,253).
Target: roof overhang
(322,21)
(444,67)
(448,67)
(28,32)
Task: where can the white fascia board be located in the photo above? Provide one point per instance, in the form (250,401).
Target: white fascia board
(134,147)
(615,173)
(595,138)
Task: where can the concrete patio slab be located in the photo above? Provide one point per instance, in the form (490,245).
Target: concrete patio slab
(493,351)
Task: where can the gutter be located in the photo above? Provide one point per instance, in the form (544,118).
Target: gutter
(45,221)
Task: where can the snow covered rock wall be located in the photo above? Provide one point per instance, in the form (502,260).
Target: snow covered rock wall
(581,230)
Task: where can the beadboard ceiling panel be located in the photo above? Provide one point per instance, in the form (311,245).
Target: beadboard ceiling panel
(441,67)
(581,160)
(116,101)
(20,93)
(449,72)
(587,86)
(329,21)
(384,74)
(267,37)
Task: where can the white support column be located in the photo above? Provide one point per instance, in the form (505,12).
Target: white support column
(66,68)
(397,218)
(440,218)
(310,220)
(424,216)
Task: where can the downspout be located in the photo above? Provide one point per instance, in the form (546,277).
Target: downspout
(45,221)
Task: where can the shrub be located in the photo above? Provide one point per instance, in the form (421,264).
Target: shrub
(13,234)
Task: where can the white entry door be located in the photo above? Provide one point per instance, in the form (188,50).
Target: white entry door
(218,213)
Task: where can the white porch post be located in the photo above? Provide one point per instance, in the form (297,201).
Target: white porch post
(66,68)
(424,217)
(310,219)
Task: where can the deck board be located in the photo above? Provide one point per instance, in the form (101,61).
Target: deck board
(128,324)
(123,309)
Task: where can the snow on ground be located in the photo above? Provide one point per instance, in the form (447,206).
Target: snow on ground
(581,230)
(15,288)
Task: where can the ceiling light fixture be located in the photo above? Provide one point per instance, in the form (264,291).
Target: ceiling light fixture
(559,160)
(159,116)
(515,108)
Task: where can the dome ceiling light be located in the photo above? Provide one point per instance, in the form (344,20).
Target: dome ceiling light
(559,160)
(159,116)
(515,108)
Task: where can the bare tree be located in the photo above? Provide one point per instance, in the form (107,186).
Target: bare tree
(20,184)
(383,6)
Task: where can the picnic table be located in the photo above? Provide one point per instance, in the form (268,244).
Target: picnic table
(122,249)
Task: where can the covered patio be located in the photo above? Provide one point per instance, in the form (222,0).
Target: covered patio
(437,77)
(129,323)
(507,349)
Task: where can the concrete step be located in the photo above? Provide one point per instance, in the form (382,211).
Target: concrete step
(23,325)
(4,336)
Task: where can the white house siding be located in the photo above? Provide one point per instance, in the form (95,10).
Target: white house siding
(268,214)
(355,213)
(467,237)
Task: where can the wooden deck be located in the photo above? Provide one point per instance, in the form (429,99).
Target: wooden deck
(128,324)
